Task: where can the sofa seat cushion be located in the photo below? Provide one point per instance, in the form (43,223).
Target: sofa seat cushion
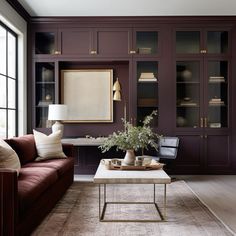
(32,182)
(60,165)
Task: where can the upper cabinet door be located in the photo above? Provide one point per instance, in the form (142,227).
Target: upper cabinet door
(45,43)
(204,41)
(112,42)
(145,42)
(76,41)
(217,42)
(188,42)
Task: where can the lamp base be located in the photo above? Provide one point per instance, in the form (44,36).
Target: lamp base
(58,126)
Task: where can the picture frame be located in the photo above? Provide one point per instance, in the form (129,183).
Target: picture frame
(88,95)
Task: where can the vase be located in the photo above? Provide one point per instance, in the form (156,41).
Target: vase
(129,157)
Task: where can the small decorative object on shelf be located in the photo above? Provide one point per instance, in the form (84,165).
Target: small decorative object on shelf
(186,74)
(47,75)
(215,125)
(145,50)
(216,79)
(216,101)
(147,77)
(132,139)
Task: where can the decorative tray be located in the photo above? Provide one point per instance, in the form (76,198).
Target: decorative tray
(154,165)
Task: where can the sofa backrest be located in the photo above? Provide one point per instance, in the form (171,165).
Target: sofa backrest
(25,147)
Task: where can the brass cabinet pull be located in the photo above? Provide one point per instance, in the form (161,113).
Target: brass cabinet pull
(132,52)
(205,136)
(203,51)
(93,52)
(201,122)
(201,136)
(205,122)
(57,52)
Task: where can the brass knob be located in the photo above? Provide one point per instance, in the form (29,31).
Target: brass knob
(57,52)
(203,51)
(205,136)
(132,52)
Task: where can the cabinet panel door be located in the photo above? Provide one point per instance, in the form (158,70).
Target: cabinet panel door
(112,42)
(217,153)
(76,41)
(189,157)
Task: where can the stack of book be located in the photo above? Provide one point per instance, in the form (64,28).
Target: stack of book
(147,77)
(216,79)
(216,101)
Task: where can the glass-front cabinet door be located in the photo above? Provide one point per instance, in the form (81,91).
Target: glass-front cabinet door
(45,92)
(147,89)
(202,79)
(217,94)
(146,42)
(188,94)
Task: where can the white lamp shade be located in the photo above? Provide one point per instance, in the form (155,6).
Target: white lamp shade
(57,112)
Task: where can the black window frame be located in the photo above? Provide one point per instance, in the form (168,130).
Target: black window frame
(6,108)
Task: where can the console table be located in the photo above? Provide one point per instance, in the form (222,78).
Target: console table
(88,155)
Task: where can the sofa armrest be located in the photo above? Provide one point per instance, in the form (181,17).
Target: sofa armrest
(68,149)
(8,201)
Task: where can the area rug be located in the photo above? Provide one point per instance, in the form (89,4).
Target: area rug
(77,213)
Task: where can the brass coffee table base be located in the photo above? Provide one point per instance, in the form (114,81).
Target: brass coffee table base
(105,203)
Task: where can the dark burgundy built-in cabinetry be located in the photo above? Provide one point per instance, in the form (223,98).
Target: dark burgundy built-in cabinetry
(184,67)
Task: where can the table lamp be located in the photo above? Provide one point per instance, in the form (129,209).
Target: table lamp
(57,112)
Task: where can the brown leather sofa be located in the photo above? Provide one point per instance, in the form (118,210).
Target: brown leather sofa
(26,199)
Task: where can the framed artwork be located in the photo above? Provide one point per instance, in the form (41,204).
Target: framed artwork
(88,95)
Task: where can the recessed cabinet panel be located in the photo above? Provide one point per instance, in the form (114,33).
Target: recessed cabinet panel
(113,43)
(45,43)
(187,42)
(188,94)
(147,89)
(217,151)
(147,42)
(217,42)
(217,94)
(76,42)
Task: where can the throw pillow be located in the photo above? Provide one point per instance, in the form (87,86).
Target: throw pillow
(48,147)
(8,157)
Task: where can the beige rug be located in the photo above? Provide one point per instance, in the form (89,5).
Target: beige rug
(77,213)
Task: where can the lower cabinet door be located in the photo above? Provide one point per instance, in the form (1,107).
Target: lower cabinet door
(217,150)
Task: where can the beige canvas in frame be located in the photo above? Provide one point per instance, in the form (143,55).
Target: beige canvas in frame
(88,95)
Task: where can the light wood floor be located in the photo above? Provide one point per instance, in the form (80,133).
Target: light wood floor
(218,192)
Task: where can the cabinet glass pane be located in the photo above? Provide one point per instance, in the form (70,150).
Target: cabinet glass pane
(188,94)
(44,72)
(44,43)
(42,117)
(187,42)
(217,42)
(217,94)
(44,90)
(147,89)
(147,42)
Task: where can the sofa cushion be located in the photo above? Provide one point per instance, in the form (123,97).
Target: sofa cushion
(32,182)
(60,165)
(24,147)
(48,147)
(8,157)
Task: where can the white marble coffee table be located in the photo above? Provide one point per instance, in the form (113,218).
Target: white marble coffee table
(104,176)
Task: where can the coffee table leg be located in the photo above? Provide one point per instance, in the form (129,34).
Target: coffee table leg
(165,201)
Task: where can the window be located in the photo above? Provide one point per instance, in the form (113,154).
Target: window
(8,82)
